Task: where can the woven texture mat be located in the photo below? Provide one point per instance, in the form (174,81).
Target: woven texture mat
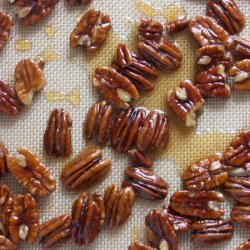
(74,71)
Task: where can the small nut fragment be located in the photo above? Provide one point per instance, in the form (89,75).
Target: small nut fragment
(140,159)
(57,137)
(78,2)
(6,24)
(242,48)
(139,246)
(241,214)
(6,244)
(244,246)
(3,159)
(177,25)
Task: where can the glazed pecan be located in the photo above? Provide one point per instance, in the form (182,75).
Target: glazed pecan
(6,24)
(114,87)
(202,204)
(78,2)
(145,183)
(139,246)
(241,48)
(208,232)
(160,232)
(137,70)
(33,11)
(244,246)
(29,78)
(140,159)
(118,205)
(31,173)
(86,168)
(88,214)
(9,102)
(55,231)
(6,244)
(227,14)
(241,214)
(186,102)
(23,223)
(154,133)
(177,25)
(57,137)
(3,159)
(91,31)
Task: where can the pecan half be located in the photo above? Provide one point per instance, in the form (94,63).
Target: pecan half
(140,159)
(57,137)
(86,168)
(145,183)
(186,102)
(227,14)
(55,231)
(244,246)
(114,87)
(160,231)
(6,244)
(29,78)
(3,159)
(6,24)
(241,214)
(78,2)
(31,173)
(208,232)
(177,25)
(241,48)
(91,31)
(88,214)
(118,205)
(202,204)
(23,223)
(139,246)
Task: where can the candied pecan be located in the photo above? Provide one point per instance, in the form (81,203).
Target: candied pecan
(31,173)
(29,78)
(186,102)
(86,168)
(241,48)
(6,244)
(55,231)
(78,2)
(91,31)
(118,205)
(208,32)
(160,231)
(244,246)
(145,183)
(114,87)
(207,232)
(6,24)
(57,137)
(177,25)
(23,223)
(241,214)
(3,159)
(9,102)
(227,14)
(139,246)
(140,159)
(88,214)
(202,204)
(137,70)
(154,133)
(126,127)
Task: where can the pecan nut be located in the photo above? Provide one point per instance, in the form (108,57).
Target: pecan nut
(139,246)
(88,214)
(91,31)
(55,231)
(208,232)
(6,24)
(241,214)
(118,205)
(3,159)
(57,137)
(244,246)
(6,244)
(23,223)
(86,168)
(31,173)
(177,25)
(78,2)
(186,102)
(145,183)
(202,204)
(241,48)
(140,159)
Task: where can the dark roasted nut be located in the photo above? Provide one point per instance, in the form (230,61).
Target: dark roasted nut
(140,159)
(9,102)
(3,159)
(6,24)
(88,214)
(242,48)
(126,128)
(244,246)
(6,244)
(179,222)
(241,214)
(154,133)
(31,173)
(186,102)
(208,232)
(139,246)
(86,168)
(208,32)
(55,231)
(118,205)
(29,78)
(160,232)
(114,87)
(177,25)
(227,14)
(91,31)
(23,223)
(57,137)
(145,183)
(32,11)
(78,2)
(202,204)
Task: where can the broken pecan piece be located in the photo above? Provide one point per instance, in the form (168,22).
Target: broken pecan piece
(242,48)
(3,159)
(140,159)
(244,246)
(241,214)
(139,246)
(177,25)
(88,214)
(57,137)
(6,24)
(31,173)
(145,183)
(6,244)
(186,102)
(78,2)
